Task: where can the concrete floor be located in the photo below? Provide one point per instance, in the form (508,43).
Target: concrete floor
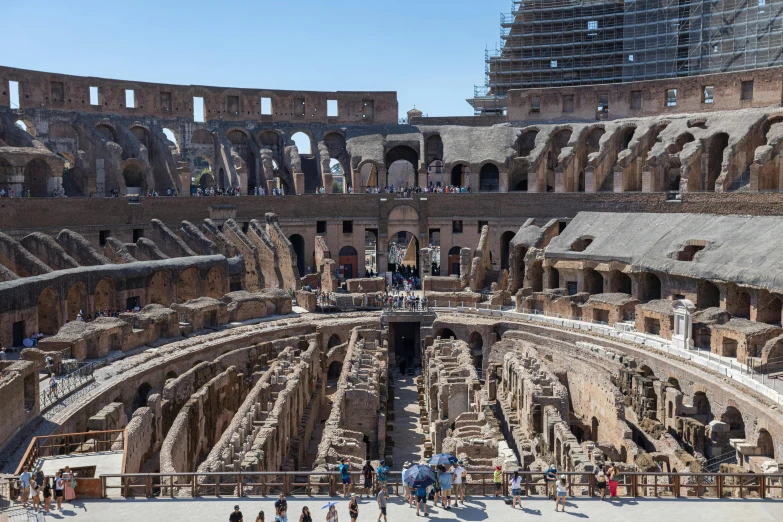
(105,462)
(408,436)
(476,509)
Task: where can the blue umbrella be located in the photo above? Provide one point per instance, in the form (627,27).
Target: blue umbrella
(443,459)
(329,504)
(420,476)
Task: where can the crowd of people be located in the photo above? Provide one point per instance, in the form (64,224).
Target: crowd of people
(36,490)
(408,191)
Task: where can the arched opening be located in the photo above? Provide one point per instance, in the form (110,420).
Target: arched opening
(489,178)
(476,344)
(554,278)
(161,289)
(435,173)
(765,444)
(580,181)
(707,295)
(187,285)
(401,174)
(103,298)
(702,406)
(445,333)
(216,282)
(733,418)
(594,429)
(339,185)
(334,371)
(303,143)
(49,311)
(593,140)
(526,143)
(626,136)
(460,175)
(403,254)
(505,249)
(454,260)
(172,137)
(106,131)
(334,340)
(135,176)
(36,178)
(171,374)
(76,302)
(646,371)
(620,282)
(649,287)
(558,142)
(674,383)
(594,282)
(335,144)
(517,275)
(369,174)
(742,306)
(140,398)
(718,144)
(298,243)
(370,252)
(535,276)
(349,261)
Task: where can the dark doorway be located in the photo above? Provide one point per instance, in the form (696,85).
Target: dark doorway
(18,333)
(133,302)
(298,243)
(405,345)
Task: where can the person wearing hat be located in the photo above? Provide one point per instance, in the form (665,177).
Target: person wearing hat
(562,490)
(236,516)
(497,477)
(353,508)
(551,478)
(459,483)
(345,475)
(383,475)
(408,492)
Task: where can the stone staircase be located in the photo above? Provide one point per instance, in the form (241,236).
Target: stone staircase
(424,421)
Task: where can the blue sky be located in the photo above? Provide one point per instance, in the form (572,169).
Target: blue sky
(430,51)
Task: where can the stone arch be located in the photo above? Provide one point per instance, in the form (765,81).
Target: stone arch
(403,213)
(620,282)
(765,444)
(76,301)
(593,139)
(742,305)
(489,178)
(402,152)
(37,173)
(349,259)
(445,333)
(701,403)
(453,261)
(526,142)
(172,136)
(505,249)
(298,243)
(140,397)
(593,282)
(733,418)
(649,287)
(715,150)
(171,374)
(707,295)
(49,314)
(594,425)
(187,285)
(433,149)
(768,308)
(161,288)
(626,135)
(135,175)
(334,370)
(104,295)
(368,171)
(334,340)
(460,174)
(216,282)
(476,344)
(107,131)
(535,276)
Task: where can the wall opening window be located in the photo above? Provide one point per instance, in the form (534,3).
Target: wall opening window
(165,101)
(332,110)
(266,106)
(303,143)
(198,108)
(481,225)
(592,24)
(94,96)
(456,227)
(130,99)
(747,90)
(636,99)
(630,57)
(13,91)
(347,227)
(708,96)
(535,104)
(603,106)
(553,64)
(671,97)
(368,109)
(568,103)
(102,236)
(320,227)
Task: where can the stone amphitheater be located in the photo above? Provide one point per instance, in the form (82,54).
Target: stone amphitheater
(606,292)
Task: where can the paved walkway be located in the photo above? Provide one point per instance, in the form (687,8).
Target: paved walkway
(476,509)
(408,436)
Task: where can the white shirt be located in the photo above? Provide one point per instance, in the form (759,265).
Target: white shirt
(458,471)
(516,483)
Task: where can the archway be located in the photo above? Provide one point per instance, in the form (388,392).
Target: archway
(593,282)
(765,444)
(334,371)
(36,178)
(460,175)
(76,302)
(401,174)
(187,285)
(171,136)
(453,264)
(104,299)
(303,143)
(369,175)
(334,340)
(445,333)
(708,295)
(526,143)
(649,287)
(535,277)
(620,282)
(768,308)
(370,252)
(161,290)
(339,180)
(216,282)
(140,398)
(505,249)
(403,253)
(298,243)
(49,317)
(594,429)
(742,306)
(489,178)
(349,261)
(135,176)
(718,144)
(476,344)
(733,418)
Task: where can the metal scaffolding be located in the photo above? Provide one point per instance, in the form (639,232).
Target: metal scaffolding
(554,43)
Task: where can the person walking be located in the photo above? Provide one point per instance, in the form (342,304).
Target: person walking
(353,508)
(305,516)
(345,475)
(367,474)
(382,498)
(550,477)
(24,485)
(562,490)
(47,495)
(408,490)
(383,475)
(446,479)
(614,478)
(236,515)
(421,500)
(280,504)
(497,478)
(459,483)
(331,515)
(516,490)
(600,481)
(59,486)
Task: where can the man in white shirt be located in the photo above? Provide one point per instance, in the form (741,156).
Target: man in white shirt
(459,483)
(24,480)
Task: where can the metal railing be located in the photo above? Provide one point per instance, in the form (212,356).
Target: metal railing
(479,483)
(66,385)
(67,443)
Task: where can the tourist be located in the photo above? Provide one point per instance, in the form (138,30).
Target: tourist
(562,490)
(446,478)
(459,483)
(52,386)
(59,486)
(47,494)
(421,500)
(600,481)
(367,474)
(24,485)
(406,468)
(516,490)
(39,478)
(345,475)
(236,516)
(550,477)
(383,475)
(282,516)
(35,493)
(353,508)
(281,504)
(614,477)
(3,356)
(260,517)
(331,515)
(70,484)
(382,499)
(497,477)
(305,516)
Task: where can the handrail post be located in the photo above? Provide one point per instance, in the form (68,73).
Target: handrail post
(193,487)
(148,486)
(676,486)
(103,486)
(239,485)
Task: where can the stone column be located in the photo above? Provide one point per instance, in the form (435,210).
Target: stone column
(299,182)
(683,327)
(503,182)
(589,179)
